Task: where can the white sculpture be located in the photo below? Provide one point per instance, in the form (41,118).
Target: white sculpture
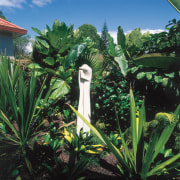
(84,108)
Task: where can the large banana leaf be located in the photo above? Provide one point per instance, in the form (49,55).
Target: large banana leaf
(42,42)
(117,53)
(53,39)
(175,4)
(42,34)
(157,60)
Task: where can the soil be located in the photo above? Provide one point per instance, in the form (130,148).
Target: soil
(106,170)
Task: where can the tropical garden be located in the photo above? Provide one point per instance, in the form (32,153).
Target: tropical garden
(135,97)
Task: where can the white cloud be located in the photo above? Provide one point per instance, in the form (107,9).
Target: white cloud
(29,47)
(114,35)
(19,3)
(41,3)
(12,3)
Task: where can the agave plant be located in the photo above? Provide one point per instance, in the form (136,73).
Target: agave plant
(140,162)
(12,72)
(22,122)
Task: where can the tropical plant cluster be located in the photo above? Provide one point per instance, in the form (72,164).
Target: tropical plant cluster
(134,102)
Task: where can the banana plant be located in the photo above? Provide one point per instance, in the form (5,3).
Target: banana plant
(116,52)
(162,48)
(157,60)
(140,162)
(54,51)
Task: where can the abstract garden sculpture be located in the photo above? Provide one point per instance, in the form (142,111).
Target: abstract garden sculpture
(84,108)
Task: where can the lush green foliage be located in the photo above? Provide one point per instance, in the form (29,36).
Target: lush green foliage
(165,42)
(110,92)
(115,56)
(36,127)
(132,42)
(142,162)
(88,30)
(82,145)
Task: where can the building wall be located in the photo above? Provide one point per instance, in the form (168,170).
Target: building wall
(6,42)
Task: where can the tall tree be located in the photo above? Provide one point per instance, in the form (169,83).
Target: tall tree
(2,15)
(104,41)
(20,45)
(88,30)
(121,39)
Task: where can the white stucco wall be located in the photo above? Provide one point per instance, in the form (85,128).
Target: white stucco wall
(6,42)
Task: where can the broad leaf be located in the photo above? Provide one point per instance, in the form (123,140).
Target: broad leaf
(42,42)
(117,53)
(149,75)
(74,54)
(37,31)
(170,75)
(34,65)
(141,75)
(53,38)
(111,48)
(157,60)
(158,79)
(50,61)
(121,60)
(59,88)
(39,70)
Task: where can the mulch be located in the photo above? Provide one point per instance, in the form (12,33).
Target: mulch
(106,169)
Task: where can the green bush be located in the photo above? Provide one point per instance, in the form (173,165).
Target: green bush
(107,93)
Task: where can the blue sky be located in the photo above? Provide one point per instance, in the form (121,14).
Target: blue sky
(130,14)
